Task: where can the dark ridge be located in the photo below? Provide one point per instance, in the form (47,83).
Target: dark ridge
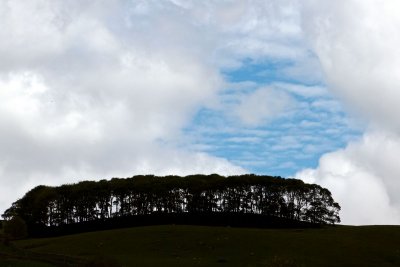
(200,219)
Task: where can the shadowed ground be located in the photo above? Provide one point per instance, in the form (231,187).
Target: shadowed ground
(175,245)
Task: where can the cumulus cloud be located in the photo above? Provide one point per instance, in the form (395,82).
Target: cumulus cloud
(356,42)
(364,178)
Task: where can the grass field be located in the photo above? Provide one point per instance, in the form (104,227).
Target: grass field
(223,246)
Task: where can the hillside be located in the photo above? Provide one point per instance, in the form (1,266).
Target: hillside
(224,246)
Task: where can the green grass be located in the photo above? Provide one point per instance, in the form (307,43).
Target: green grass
(224,246)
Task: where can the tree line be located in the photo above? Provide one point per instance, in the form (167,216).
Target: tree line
(195,194)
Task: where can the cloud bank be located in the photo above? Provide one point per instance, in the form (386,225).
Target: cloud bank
(356,42)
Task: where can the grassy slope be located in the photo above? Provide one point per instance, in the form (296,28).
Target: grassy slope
(216,246)
(11,258)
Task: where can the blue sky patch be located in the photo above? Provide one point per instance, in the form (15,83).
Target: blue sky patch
(289,137)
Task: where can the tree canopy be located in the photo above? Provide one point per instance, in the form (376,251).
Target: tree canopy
(144,195)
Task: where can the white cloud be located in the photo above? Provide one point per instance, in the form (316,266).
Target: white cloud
(363,178)
(357,44)
(262,105)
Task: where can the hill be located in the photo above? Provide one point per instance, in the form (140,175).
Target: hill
(174,245)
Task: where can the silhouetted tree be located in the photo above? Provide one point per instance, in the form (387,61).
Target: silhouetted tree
(140,195)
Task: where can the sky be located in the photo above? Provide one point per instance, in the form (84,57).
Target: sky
(309,89)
